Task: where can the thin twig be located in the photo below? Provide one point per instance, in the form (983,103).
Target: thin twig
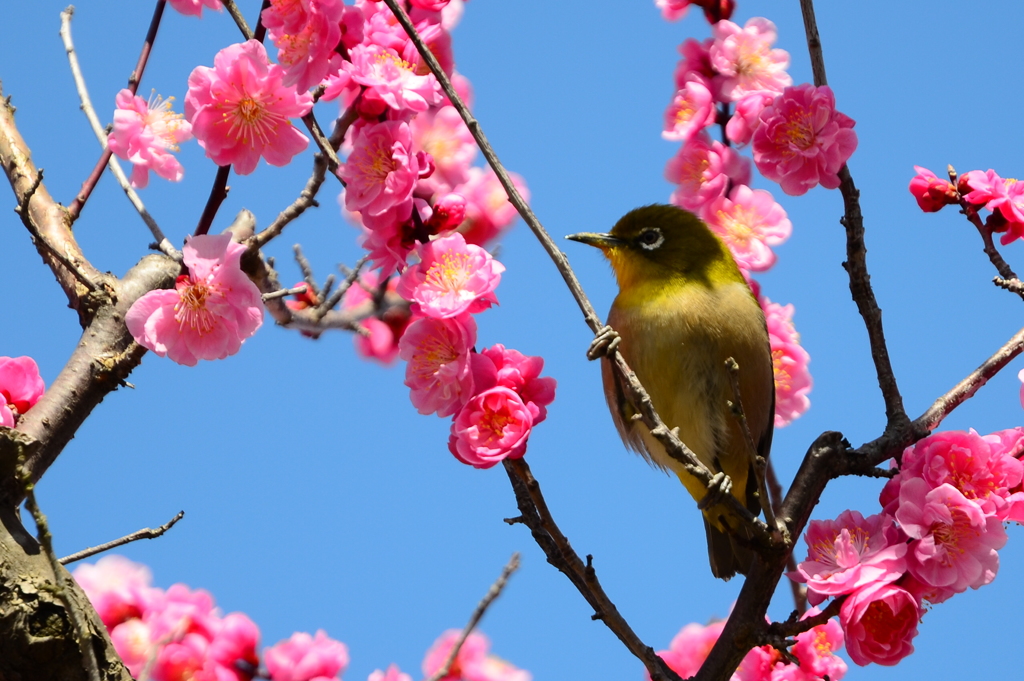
(796,626)
(757,461)
(60,585)
(144,533)
(641,400)
(798,590)
(856,252)
(133,86)
(285,292)
(218,192)
(240,21)
(481,608)
(162,242)
(350,278)
(307,269)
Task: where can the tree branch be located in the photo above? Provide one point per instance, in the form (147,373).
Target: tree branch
(560,554)
(144,533)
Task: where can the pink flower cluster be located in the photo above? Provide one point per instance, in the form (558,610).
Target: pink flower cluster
(814,650)
(495,396)
(21,386)
(178,635)
(1003,197)
(939,533)
(210,311)
(738,80)
(472,663)
(408,175)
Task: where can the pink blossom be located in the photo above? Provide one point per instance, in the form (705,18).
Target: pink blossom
(692,109)
(983,469)
(802,140)
(815,650)
(673,10)
(986,189)
(452,278)
(306,33)
(443,134)
(133,644)
(704,169)
(439,373)
(696,61)
(932,192)
(195,7)
(210,312)
(239,109)
(745,59)
(118,588)
(494,425)
(749,222)
(447,213)
(472,663)
(789,361)
(849,552)
(879,622)
(521,373)
(747,117)
(381,171)
(954,543)
(488,210)
(21,386)
(472,652)
(146,133)
(690,648)
(392,674)
(306,658)
(391,79)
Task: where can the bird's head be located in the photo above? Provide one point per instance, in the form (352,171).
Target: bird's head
(659,245)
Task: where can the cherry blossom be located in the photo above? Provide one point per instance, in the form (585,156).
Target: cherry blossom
(745,59)
(145,133)
(703,169)
(391,79)
(494,425)
(240,109)
(850,552)
(931,192)
(393,673)
(472,663)
(749,222)
(789,361)
(440,372)
(381,173)
(488,210)
(209,313)
(21,387)
(747,117)
(306,658)
(691,110)
(879,621)
(306,33)
(452,278)
(521,373)
(195,7)
(802,140)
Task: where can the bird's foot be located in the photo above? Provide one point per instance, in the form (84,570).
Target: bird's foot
(719,489)
(604,343)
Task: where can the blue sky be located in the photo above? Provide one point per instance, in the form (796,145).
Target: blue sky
(315,495)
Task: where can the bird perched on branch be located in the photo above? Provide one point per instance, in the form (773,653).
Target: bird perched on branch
(683,309)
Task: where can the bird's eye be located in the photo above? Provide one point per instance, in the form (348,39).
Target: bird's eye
(651,238)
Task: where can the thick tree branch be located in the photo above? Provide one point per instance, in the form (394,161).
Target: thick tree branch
(46,220)
(560,554)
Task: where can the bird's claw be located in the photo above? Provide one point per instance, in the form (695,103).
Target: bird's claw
(719,489)
(604,343)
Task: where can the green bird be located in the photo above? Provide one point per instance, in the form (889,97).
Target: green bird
(683,309)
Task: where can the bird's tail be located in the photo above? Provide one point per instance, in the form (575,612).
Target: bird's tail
(726,555)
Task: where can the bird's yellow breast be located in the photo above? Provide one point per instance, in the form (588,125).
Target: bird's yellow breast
(676,336)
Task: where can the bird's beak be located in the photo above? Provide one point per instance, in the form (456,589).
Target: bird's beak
(602,241)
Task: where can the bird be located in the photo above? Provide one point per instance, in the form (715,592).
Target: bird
(683,309)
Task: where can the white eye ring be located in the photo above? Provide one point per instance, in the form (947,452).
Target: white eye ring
(653,245)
